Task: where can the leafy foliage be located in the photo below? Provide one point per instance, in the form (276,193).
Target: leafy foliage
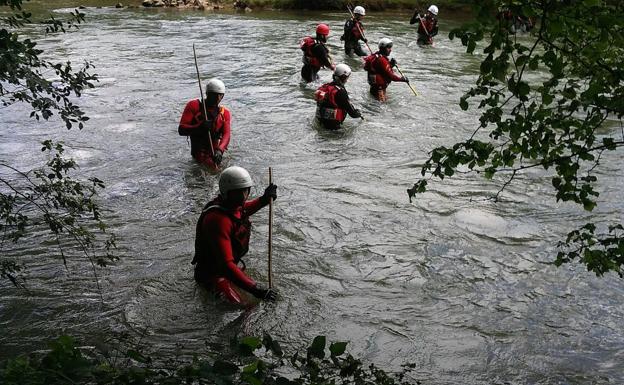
(254,361)
(46,196)
(545,102)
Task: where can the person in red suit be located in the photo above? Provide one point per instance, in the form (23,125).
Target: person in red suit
(379,69)
(202,129)
(427,25)
(222,238)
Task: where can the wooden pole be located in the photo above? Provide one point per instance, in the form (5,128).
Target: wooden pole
(410,86)
(270,231)
(201,94)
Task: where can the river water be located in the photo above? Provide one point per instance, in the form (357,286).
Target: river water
(459,285)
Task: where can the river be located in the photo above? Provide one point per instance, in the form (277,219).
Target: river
(459,285)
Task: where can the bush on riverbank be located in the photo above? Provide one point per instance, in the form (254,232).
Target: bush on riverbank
(251,360)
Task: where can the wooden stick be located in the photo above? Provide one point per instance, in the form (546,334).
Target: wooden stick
(201,94)
(410,86)
(270,231)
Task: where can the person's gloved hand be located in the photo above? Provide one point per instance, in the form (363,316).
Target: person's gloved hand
(269,192)
(217,157)
(405,79)
(342,38)
(358,114)
(264,294)
(365,40)
(393,62)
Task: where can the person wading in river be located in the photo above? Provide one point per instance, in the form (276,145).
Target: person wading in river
(427,25)
(333,100)
(201,129)
(222,238)
(379,69)
(353,33)
(315,54)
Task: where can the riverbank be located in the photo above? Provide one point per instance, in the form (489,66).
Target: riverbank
(372,5)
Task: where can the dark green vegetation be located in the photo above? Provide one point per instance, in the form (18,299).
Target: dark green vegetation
(46,197)
(251,361)
(555,102)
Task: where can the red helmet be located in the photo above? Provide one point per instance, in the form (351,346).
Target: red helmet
(322,29)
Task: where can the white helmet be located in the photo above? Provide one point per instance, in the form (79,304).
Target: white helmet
(233,178)
(359,10)
(215,85)
(385,43)
(342,70)
(433,9)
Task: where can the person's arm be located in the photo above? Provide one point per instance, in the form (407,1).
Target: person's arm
(384,68)
(342,100)
(190,121)
(322,53)
(219,227)
(253,205)
(415,17)
(356,30)
(225,131)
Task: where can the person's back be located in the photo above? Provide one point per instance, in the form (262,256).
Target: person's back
(315,54)
(332,99)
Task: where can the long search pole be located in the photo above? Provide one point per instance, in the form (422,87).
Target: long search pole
(201,94)
(422,23)
(410,86)
(359,29)
(270,231)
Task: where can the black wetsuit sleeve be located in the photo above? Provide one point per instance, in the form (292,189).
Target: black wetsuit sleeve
(321,53)
(342,100)
(414,18)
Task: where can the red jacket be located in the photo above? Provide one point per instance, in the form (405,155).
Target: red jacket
(328,107)
(218,238)
(428,26)
(190,125)
(380,73)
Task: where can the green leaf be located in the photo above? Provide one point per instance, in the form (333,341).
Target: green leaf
(589,205)
(137,356)
(523,88)
(337,348)
(472,44)
(225,368)
(317,349)
(251,367)
(463,104)
(272,345)
(247,345)
(534,63)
